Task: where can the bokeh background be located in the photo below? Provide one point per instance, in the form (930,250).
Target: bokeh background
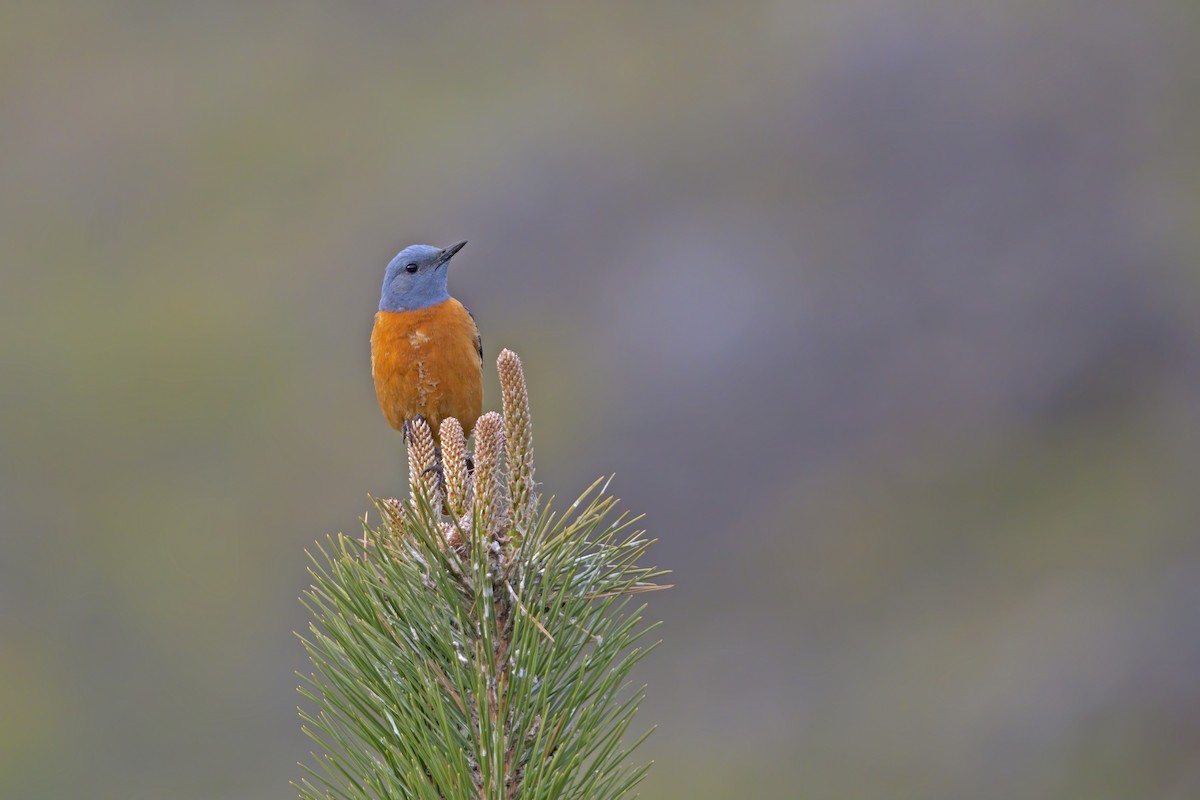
(886,313)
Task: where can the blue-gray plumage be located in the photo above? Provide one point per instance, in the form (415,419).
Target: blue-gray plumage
(416,278)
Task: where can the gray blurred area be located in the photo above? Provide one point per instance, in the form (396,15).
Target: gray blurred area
(886,314)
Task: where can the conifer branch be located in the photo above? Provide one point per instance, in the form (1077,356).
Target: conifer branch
(422,461)
(515,399)
(490,494)
(454,466)
(477,644)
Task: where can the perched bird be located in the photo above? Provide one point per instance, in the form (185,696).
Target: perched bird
(426,353)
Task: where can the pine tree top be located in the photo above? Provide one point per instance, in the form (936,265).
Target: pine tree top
(476,643)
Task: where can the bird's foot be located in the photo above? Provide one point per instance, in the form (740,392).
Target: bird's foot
(436,469)
(406,430)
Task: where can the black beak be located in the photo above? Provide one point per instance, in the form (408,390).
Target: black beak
(449,252)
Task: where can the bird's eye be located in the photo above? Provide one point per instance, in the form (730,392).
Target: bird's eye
(410,268)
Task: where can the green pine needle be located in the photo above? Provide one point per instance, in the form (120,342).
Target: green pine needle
(482,656)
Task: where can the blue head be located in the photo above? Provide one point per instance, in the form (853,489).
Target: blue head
(416,278)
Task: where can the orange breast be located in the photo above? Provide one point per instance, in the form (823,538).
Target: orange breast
(425,363)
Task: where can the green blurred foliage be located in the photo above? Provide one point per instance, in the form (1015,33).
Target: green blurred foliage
(887,314)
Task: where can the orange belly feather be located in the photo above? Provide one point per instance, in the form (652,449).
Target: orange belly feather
(425,363)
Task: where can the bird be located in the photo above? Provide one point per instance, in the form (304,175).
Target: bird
(426,351)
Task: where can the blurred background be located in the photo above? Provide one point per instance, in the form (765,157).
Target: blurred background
(886,313)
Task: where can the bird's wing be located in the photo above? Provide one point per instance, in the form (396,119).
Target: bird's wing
(478,336)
